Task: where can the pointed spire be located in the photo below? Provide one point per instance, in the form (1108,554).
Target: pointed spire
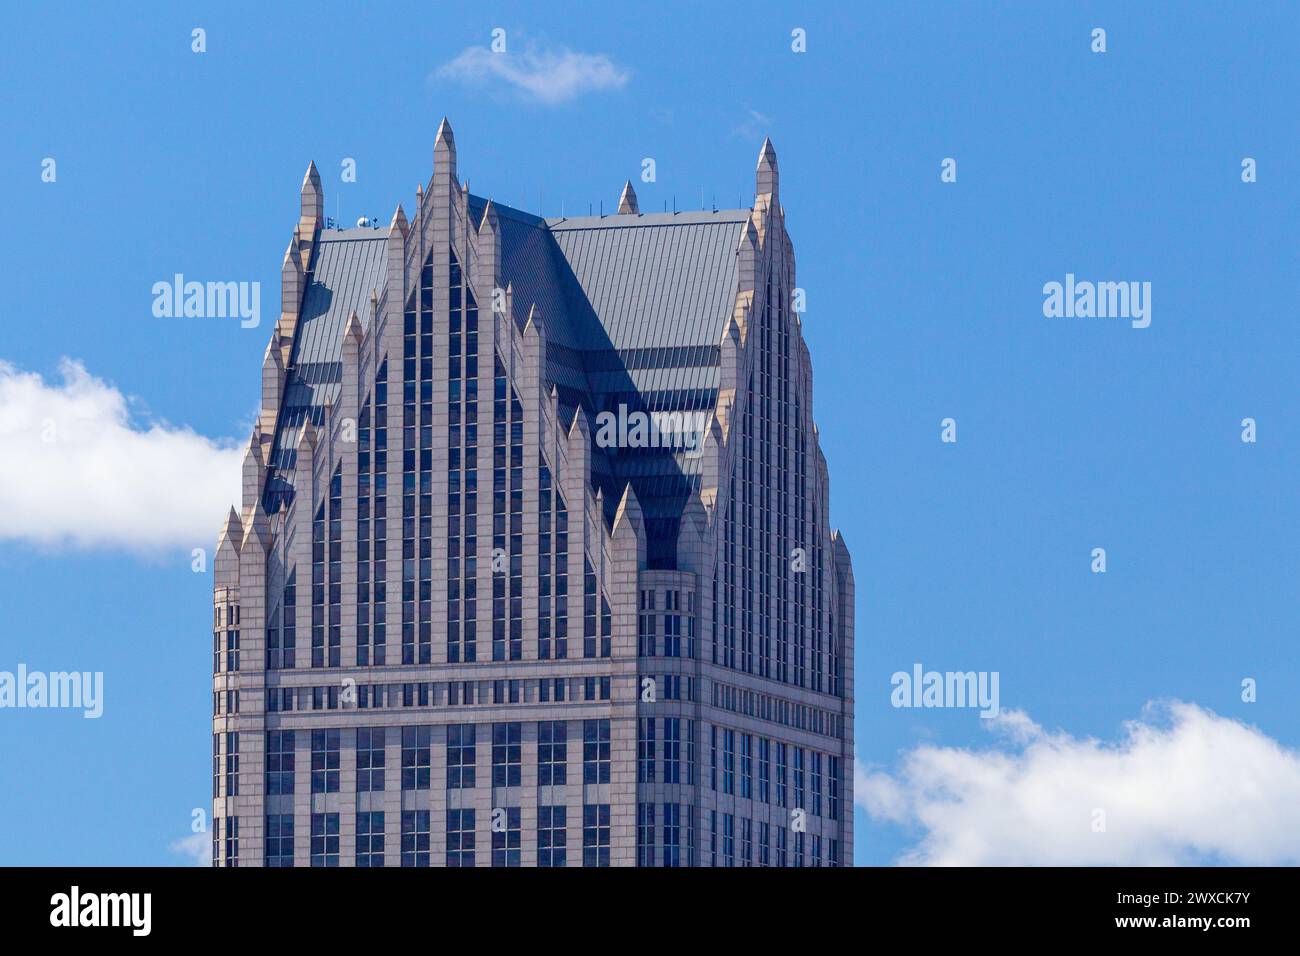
(225,567)
(272,383)
(307,437)
(490,219)
(534,324)
(627,205)
(399,223)
(232,530)
(257,535)
(292,258)
(445,133)
(629,510)
(313,197)
(352,331)
(444,151)
(255,443)
(693,514)
(274,349)
(766,177)
(579,423)
(254,471)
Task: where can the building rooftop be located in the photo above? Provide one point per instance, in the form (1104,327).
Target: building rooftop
(634,306)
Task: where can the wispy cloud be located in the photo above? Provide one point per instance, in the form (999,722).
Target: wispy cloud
(197,847)
(754,125)
(549,75)
(1182,785)
(74,469)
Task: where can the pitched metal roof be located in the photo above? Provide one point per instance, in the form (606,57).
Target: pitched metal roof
(663,287)
(346,265)
(634,308)
(657,280)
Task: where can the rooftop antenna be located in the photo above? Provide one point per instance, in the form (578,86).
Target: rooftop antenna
(674,204)
(701,199)
(602,209)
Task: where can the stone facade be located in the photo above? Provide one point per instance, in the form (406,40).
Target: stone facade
(455,624)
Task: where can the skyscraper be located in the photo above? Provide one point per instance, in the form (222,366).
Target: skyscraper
(534,564)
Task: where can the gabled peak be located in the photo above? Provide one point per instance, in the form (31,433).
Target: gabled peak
(444,138)
(766,177)
(579,423)
(534,324)
(444,151)
(313,196)
(490,220)
(232,530)
(629,512)
(352,331)
(627,205)
(731,330)
(293,255)
(275,351)
(307,438)
(399,223)
(258,533)
(694,514)
(255,446)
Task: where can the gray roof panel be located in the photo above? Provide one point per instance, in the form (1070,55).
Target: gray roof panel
(346,265)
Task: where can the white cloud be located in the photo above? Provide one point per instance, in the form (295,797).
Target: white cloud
(1182,785)
(196,846)
(75,470)
(754,125)
(550,76)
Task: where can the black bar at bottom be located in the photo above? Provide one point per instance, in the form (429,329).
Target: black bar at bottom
(336,905)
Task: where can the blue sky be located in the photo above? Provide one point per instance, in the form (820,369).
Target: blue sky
(924,302)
